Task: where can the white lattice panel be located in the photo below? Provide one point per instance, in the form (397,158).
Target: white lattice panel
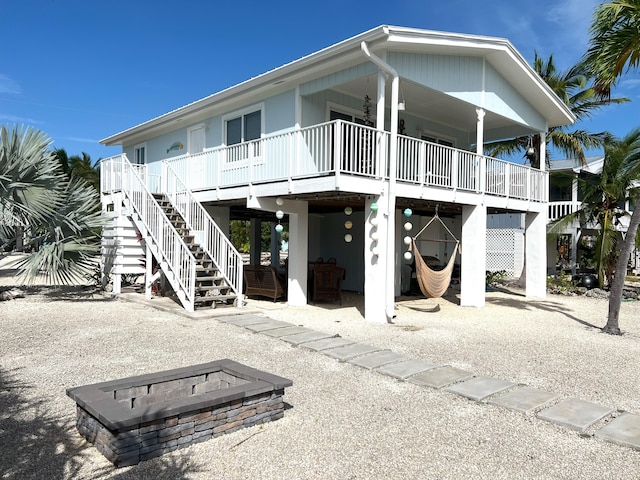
(505,250)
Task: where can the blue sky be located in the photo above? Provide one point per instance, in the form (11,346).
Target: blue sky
(81,70)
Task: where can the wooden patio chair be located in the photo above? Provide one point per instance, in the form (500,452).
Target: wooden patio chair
(327,282)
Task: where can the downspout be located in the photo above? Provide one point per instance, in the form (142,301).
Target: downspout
(391,197)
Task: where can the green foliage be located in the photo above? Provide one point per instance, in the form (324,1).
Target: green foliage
(614,46)
(61,216)
(561,284)
(241,235)
(493,278)
(574,87)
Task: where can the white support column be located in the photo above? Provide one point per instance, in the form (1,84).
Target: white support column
(298,212)
(148,277)
(480,131)
(536,254)
(298,256)
(375,266)
(542,148)
(474,256)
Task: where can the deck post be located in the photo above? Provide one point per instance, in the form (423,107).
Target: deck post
(536,253)
(474,256)
(375,259)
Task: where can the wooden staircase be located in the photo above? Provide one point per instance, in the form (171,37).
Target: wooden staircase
(211,288)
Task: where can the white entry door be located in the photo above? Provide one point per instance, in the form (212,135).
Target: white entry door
(197,142)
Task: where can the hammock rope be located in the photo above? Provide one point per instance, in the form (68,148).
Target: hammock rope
(433,283)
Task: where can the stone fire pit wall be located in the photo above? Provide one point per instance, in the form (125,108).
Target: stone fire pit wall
(137,418)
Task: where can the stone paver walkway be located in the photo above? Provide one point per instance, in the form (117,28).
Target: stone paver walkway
(579,415)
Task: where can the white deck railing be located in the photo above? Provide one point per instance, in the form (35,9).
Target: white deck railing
(339,147)
(175,258)
(208,234)
(561,209)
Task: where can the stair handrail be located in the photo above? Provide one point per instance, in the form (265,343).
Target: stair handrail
(170,245)
(215,243)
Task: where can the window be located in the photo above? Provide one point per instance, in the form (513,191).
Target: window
(439,141)
(244,128)
(241,128)
(140,154)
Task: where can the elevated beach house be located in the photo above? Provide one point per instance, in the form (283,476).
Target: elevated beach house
(343,144)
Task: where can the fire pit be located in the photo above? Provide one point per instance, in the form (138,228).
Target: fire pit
(133,419)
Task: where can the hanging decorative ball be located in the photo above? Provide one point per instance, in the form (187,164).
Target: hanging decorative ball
(374,221)
(374,207)
(279,228)
(408,212)
(348,224)
(348,238)
(348,210)
(375,251)
(407,240)
(375,236)
(408,226)
(279,214)
(279,201)
(407,255)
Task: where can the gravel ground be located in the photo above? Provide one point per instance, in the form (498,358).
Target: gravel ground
(345,422)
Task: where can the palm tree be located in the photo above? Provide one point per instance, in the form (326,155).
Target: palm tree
(79,166)
(614,48)
(62,216)
(602,198)
(573,88)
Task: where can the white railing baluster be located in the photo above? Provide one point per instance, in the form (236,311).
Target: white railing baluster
(224,255)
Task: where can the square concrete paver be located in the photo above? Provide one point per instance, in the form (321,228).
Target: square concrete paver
(267,325)
(377,359)
(244,320)
(480,388)
(440,377)
(327,343)
(524,400)
(284,331)
(624,430)
(298,338)
(575,414)
(403,370)
(350,351)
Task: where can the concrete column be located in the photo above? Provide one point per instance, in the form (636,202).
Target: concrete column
(255,236)
(542,148)
(375,260)
(480,131)
(535,251)
(474,256)
(298,255)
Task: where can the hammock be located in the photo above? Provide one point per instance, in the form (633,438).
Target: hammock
(433,283)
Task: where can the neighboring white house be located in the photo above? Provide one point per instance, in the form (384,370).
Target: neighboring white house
(390,119)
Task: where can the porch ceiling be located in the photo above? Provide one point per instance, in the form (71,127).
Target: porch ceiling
(432,105)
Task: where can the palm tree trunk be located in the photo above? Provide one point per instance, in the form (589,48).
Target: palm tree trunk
(615,294)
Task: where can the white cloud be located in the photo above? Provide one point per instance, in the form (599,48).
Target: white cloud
(571,21)
(5,117)
(8,85)
(80,139)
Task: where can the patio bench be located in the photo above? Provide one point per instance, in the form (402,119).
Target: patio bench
(262,280)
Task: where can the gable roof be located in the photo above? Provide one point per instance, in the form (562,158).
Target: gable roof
(499,52)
